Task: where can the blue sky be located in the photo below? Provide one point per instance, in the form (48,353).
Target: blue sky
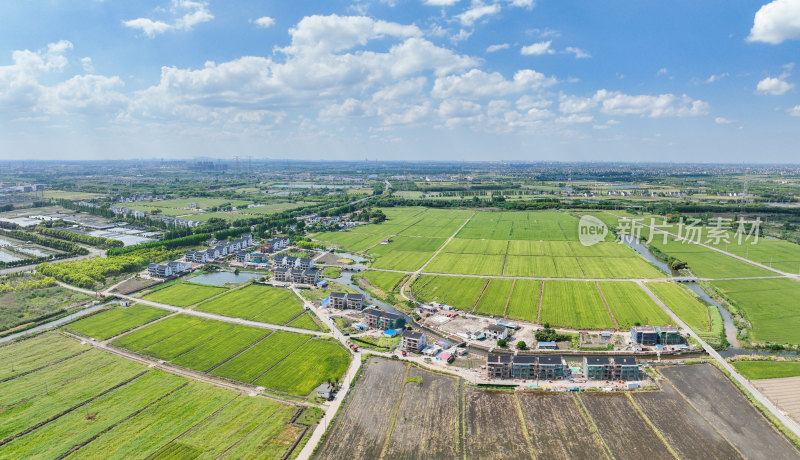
(544,80)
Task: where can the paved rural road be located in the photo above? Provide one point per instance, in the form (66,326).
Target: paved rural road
(202,314)
(346,382)
(788,422)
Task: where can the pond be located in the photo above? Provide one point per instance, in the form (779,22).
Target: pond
(222,278)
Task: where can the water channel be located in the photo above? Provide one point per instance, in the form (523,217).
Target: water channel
(55,323)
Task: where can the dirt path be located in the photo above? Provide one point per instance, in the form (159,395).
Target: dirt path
(539,311)
(608,309)
(475,305)
(508,300)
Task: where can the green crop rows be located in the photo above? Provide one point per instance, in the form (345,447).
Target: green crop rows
(574,304)
(770,305)
(256,302)
(630,305)
(111,323)
(97,405)
(184,294)
(385,281)
(684,304)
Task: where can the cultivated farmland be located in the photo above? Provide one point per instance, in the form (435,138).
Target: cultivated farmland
(185,294)
(769,305)
(385,281)
(461,293)
(494,298)
(574,304)
(386,413)
(631,305)
(256,302)
(113,322)
(98,405)
(684,304)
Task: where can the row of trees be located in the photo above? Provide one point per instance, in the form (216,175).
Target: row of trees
(66,246)
(98,241)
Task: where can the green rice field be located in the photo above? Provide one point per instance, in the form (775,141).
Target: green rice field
(574,304)
(770,305)
(385,281)
(461,293)
(256,302)
(494,298)
(754,370)
(684,304)
(524,303)
(98,405)
(113,322)
(185,294)
(631,305)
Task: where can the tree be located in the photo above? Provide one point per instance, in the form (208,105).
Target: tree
(502,343)
(521,345)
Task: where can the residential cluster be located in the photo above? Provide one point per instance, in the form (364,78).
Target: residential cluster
(554,367)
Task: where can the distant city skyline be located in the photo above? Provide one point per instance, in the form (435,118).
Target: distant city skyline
(394,80)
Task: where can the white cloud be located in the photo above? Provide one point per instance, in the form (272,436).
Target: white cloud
(441,2)
(662,71)
(575,104)
(774,86)
(716,77)
(477,84)
(723,121)
(186,15)
(795,111)
(579,53)
(87,65)
(776,22)
(575,118)
(264,21)
(498,47)
(472,15)
(663,105)
(537,49)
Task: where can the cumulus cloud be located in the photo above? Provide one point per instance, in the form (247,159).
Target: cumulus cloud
(498,47)
(537,49)
(186,14)
(723,121)
(774,86)
(441,2)
(716,77)
(660,106)
(477,84)
(795,111)
(579,53)
(474,14)
(776,22)
(264,21)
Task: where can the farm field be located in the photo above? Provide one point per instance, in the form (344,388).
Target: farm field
(524,303)
(755,370)
(184,294)
(574,304)
(721,403)
(684,304)
(306,321)
(38,352)
(386,413)
(631,305)
(617,419)
(113,322)
(134,412)
(307,367)
(494,298)
(27,305)
(385,281)
(457,292)
(769,305)
(256,302)
(782,391)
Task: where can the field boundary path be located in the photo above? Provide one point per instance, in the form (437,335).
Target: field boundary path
(201,314)
(417,273)
(777,413)
(608,309)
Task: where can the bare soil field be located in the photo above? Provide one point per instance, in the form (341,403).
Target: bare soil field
(783,392)
(722,404)
(624,430)
(134,285)
(682,426)
(492,426)
(364,422)
(427,422)
(557,427)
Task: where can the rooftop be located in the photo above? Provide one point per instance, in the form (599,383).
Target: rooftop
(597,360)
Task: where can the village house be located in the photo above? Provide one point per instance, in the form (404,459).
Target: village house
(243,257)
(495,332)
(342,301)
(413,341)
(606,368)
(177,267)
(526,367)
(379,319)
(159,271)
(198,257)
